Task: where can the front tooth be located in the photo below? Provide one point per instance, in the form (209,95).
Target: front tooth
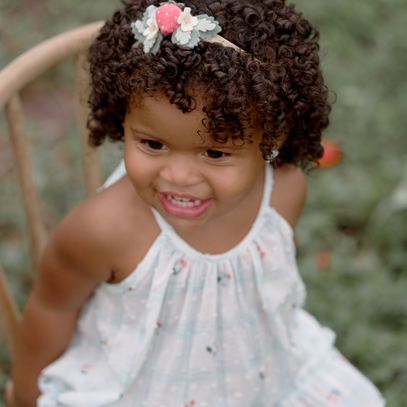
(184,204)
(197,202)
(190,204)
(185,199)
(177,198)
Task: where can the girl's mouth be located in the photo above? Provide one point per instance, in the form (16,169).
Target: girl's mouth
(183,207)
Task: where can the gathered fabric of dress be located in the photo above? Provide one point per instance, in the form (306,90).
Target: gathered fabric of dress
(192,329)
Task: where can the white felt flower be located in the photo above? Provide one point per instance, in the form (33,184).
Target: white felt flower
(152,28)
(187,21)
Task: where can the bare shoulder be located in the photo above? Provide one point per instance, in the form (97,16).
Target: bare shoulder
(88,245)
(84,236)
(99,228)
(289,192)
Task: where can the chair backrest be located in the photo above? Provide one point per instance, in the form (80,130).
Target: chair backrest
(13,78)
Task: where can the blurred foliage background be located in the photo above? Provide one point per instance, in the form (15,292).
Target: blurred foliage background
(352,236)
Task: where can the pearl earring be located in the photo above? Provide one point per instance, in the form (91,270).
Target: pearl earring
(272,156)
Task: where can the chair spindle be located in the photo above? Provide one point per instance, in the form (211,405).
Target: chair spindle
(22,164)
(9,315)
(90,156)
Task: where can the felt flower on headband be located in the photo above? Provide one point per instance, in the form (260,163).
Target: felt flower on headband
(187,30)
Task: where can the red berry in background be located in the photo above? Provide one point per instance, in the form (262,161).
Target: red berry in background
(322,259)
(332,154)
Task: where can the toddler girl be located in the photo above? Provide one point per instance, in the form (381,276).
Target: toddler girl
(176,285)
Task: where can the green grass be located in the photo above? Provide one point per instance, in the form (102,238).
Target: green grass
(355,212)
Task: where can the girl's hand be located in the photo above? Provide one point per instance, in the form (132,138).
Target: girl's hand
(9,397)
(9,394)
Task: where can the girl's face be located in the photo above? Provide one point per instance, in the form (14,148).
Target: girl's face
(188,178)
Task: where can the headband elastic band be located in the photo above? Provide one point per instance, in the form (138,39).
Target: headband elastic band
(220,40)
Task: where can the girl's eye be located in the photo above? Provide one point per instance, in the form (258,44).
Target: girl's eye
(214,154)
(154,145)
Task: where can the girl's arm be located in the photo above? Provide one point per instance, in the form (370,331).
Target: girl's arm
(73,264)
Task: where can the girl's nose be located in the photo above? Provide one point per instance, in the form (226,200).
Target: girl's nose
(181,171)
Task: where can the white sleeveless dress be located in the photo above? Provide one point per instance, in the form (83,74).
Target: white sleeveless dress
(192,329)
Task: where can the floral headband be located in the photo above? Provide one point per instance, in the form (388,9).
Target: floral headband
(186,30)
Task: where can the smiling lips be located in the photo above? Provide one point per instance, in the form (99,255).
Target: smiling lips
(183,207)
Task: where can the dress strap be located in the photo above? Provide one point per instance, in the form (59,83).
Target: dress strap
(164,226)
(268,186)
(117,174)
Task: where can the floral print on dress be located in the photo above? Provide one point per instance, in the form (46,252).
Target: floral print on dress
(213,349)
(179,266)
(224,278)
(262,252)
(86,368)
(333,397)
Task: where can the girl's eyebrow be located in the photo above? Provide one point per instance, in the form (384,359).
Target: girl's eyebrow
(221,146)
(146,134)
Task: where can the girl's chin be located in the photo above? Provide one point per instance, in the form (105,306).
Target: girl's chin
(184,212)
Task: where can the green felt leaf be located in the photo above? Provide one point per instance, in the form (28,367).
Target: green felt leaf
(140,27)
(137,28)
(150,10)
(157,43)
(195,38)
(181,37)
(149,44)
(204,25)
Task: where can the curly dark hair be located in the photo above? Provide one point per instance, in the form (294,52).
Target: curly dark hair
(277,80)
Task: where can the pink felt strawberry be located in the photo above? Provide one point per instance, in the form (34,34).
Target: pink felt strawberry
(166,17)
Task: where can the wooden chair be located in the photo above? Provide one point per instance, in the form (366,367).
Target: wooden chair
(13,78)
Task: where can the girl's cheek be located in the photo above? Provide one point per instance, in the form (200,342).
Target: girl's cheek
(141,168)
(232,183)
(138,167)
